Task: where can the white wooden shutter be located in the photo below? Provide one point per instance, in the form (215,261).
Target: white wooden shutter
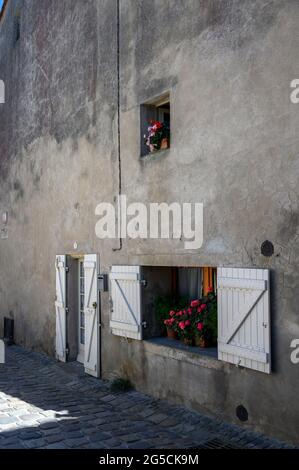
(91,314)
(244,317)
(2,352)
(126,301)
(60,307)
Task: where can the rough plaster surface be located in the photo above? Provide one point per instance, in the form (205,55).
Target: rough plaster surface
(228,67)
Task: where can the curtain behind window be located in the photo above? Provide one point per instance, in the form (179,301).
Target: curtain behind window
(190,283)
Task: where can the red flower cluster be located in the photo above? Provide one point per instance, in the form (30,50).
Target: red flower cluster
(156,132)
(155,125)
(189,321)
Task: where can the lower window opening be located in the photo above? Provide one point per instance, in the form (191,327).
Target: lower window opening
(180,308)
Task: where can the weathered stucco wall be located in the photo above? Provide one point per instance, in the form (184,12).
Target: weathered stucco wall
(228,67)
(58,155)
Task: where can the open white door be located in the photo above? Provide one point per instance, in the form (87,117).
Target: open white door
(60,307)
(91,311)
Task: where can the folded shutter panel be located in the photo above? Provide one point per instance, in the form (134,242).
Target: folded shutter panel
(244,317)
(60,307)
(126,301)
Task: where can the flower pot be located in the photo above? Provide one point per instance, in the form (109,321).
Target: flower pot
(188,341)
(164,144)
(201,342)
(171,334)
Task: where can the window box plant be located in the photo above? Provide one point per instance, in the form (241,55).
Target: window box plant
(158,136)
(164,305)
(171,326)
(196,323)
(206,323)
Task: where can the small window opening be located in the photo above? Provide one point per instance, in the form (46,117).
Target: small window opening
(180,307)
(155,125)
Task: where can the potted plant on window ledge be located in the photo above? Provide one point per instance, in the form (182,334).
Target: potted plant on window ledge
(171,327)
(186,333)
(165,308)
(158,136)
(205,334)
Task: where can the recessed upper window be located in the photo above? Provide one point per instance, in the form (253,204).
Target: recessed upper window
(155,125)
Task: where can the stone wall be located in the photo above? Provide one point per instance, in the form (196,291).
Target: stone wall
(228,68)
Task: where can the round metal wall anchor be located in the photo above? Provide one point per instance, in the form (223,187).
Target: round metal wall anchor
(267,248)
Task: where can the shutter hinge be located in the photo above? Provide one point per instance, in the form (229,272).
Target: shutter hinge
(144,324)
(67,269)
(143,282)
(66,310)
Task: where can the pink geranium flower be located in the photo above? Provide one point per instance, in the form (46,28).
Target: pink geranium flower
(182,325)
(195,303)
(200,326)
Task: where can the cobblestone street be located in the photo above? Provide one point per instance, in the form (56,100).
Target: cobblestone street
(45,404)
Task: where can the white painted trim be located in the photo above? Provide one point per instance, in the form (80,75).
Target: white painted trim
(124,276)
(117,325)
(247,284)
(244,352)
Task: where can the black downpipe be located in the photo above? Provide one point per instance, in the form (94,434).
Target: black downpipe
(118,116)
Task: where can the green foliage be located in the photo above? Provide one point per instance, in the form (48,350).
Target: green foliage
(121,385)
(163,133)
(211,326)
(157,131)
(165,303)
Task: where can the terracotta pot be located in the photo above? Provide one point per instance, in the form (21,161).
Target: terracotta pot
(188,341)
(164,144)
(171,334)
(201,342)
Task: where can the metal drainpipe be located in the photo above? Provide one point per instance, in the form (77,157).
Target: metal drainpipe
(118,117)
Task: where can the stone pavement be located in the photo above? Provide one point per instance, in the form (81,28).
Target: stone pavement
(45,404)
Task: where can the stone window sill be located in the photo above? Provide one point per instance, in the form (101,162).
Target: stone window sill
(174,349)
(155,155)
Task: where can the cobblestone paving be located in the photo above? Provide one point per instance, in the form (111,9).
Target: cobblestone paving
(45,404)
